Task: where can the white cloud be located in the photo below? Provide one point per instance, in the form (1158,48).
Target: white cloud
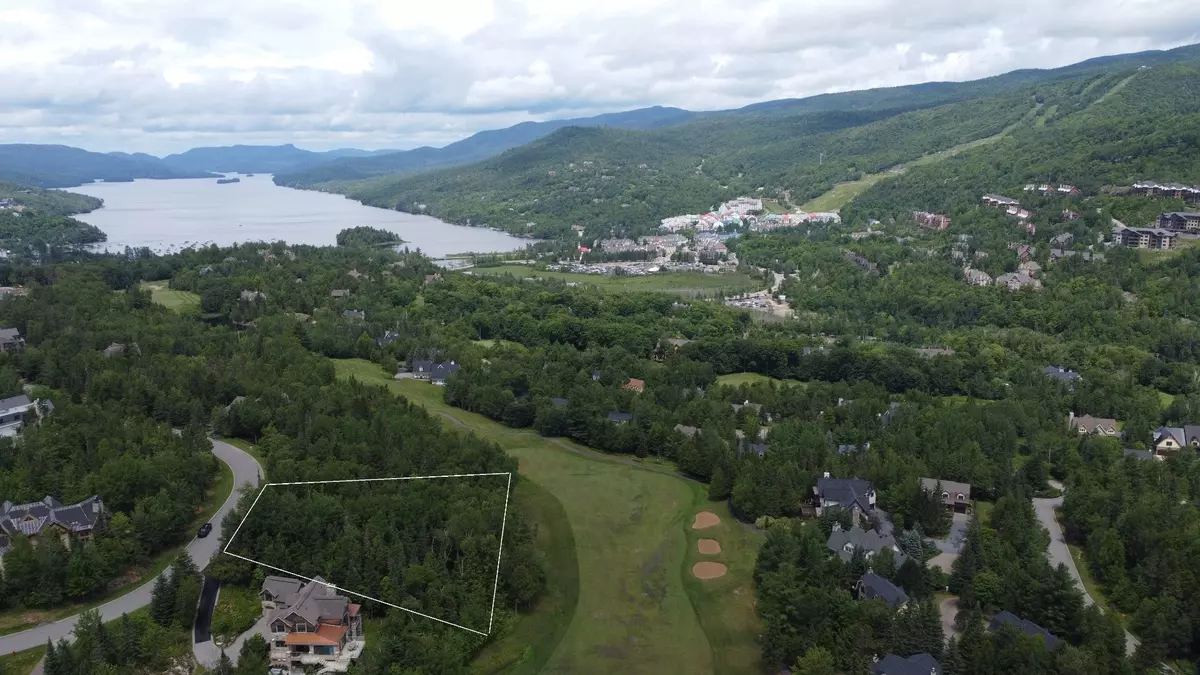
(164,75)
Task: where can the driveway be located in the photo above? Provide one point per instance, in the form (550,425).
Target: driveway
(1059,553)
(245,471)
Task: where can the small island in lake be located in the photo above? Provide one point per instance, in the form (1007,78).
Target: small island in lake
(224,181)
(367,236)
(249,175)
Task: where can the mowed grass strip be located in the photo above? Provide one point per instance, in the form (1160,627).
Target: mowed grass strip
(738,379)
(184,302)
(634,613)
(678,283)
(725,606)
(524,648)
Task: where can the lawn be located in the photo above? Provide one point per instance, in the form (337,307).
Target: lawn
(678,283)
(21,663)
(842,193)
(738,379)
(1165,400)
(236,611)
(639,610)
(184,302)
(17,620)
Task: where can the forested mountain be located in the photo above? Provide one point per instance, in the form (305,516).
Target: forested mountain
(56,166)
(258,158)
(626,180)
(476,147)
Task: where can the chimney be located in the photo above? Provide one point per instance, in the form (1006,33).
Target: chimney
(827,474)
(330,590)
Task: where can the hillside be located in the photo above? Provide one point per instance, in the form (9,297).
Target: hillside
(479,146)
(626,180)
(57,166)
(1147,127)
(259,158)
(49,202)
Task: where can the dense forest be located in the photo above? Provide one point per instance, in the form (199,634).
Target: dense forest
(366,236)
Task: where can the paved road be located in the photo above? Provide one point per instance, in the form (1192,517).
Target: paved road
(1059,553)
(245,471)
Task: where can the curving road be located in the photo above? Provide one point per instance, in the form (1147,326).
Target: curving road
(246,470)
(1059,553)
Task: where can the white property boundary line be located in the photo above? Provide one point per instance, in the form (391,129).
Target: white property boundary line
(499,552)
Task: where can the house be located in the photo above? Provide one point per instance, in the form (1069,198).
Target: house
(11,340)
(1025,251)
(1180,221)
(442,371)
(1169,440)
(1000,201)
(930,352)
(559,402)
(114,349)
(737,407)
(759,449)
(1138,454)
(976,277)
(1069,215)
(309,624)
(1015,281)
(340,293)
(1030,267)
(886,417)
(251,296)
(49,518)
(1007,618)
(13,411)
(1057,254)
(635,385)
(931,221)
(1063,240)
(595,376)
(684,429)
(1086,425)
(955,496)
(618,417)
(431,278)
(355,274)
(1153,238)
(846,542)
(1063,375)
(917,664)
(354,315)
(853,494)
(673,344)
(874,587)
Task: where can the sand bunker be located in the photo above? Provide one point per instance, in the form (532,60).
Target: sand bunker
(709,546)
(708,570)
(705,519)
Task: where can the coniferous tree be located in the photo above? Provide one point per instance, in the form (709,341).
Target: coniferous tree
(162,600)
(224,665)
(52,665)
(255,656)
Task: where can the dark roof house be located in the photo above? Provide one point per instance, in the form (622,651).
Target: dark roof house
(846,542)
(1007,618)
(849,493)
(559,402)
(1061,374)
(917,664)
(618,417)
(874,587)
(34,518)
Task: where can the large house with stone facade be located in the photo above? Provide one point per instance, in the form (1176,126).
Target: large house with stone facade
(309,624)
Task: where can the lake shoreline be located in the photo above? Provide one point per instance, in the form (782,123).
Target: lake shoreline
(170,215)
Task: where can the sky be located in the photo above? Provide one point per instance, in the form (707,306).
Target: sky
(161,76)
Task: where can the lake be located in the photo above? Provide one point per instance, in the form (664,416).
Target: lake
(169,215)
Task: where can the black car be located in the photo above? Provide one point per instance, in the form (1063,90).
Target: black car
(204,530)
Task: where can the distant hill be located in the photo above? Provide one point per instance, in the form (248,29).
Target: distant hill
(482,145)
(57,166)
(1101,114)
(258,158)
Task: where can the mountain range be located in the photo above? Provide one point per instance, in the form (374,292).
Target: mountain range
(618,169)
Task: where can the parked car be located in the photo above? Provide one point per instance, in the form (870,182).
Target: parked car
(204,530)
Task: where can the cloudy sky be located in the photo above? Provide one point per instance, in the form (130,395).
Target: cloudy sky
(164,75)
